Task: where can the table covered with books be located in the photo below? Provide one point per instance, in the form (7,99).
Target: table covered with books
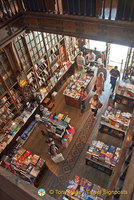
(72,91)
(102,156)
(57,126)
(124,93)
(26,165)
(82,189)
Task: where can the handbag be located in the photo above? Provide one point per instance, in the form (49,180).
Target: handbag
(58,158)
(99,104)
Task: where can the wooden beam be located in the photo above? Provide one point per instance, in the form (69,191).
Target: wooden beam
(79,26)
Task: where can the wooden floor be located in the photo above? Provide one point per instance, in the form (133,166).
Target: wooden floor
(55,178)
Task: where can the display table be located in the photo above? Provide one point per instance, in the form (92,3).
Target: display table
(72,91)
(56,126)
(124,94)
(115,122)
(26,165)
(81,188)
(102,156)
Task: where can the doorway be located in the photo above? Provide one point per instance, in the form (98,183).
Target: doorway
(118,56)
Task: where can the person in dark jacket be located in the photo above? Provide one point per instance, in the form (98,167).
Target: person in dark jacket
(114,75)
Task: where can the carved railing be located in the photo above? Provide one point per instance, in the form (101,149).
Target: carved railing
(102,9)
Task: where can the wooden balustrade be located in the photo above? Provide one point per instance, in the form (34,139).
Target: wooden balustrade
(9,8)
(102,9)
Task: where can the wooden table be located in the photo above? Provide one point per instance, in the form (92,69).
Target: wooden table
(76,102)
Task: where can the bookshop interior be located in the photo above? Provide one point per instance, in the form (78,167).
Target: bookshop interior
(41,110)
(66,116)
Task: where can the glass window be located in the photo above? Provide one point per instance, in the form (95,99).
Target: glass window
(42,44)
(37,40)
(40,53)
(17,45)
(40,37)
(43,50)
(29,46)
(35,51)
(27,39)
(33,43)
(31,36)
(35,33)
(39,47)
(44,34)
(46,40)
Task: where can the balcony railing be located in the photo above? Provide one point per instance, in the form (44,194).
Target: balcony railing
(101,9)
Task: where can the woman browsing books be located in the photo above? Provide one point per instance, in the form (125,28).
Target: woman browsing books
(95,104)
(83,96)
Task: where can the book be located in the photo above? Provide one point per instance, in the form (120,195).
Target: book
(83,181)
(35,171)
(40,162)
(110,155)
(34,159)
(29,168)
(112,149)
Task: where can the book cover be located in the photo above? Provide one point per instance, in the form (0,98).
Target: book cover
(29,168)
(35,171)
(83,182)
(40,162)
(112,149)
(109,155)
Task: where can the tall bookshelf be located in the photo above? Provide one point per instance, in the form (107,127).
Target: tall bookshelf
(40,59)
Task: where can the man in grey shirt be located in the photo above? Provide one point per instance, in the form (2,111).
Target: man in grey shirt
(80,60)
(103,70)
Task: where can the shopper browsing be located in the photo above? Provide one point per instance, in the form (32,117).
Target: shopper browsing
(99,83)
(90,58)
(80,60)
(83,96)
(114,75)
(95,104)
(52,149)
(103,70)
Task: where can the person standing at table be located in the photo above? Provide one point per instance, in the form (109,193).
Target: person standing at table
(114,75)
(99,83)
(80,60)
(90,58)
(83,97)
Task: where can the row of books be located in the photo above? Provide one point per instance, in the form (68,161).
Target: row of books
(117,118)
(105,154)
(82,189)
(12,128)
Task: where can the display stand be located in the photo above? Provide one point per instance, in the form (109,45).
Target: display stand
(102,156)
(115,122)
(75,101)
(99,166)
(124,95)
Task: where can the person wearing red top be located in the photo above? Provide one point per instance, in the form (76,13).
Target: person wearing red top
(83,96)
